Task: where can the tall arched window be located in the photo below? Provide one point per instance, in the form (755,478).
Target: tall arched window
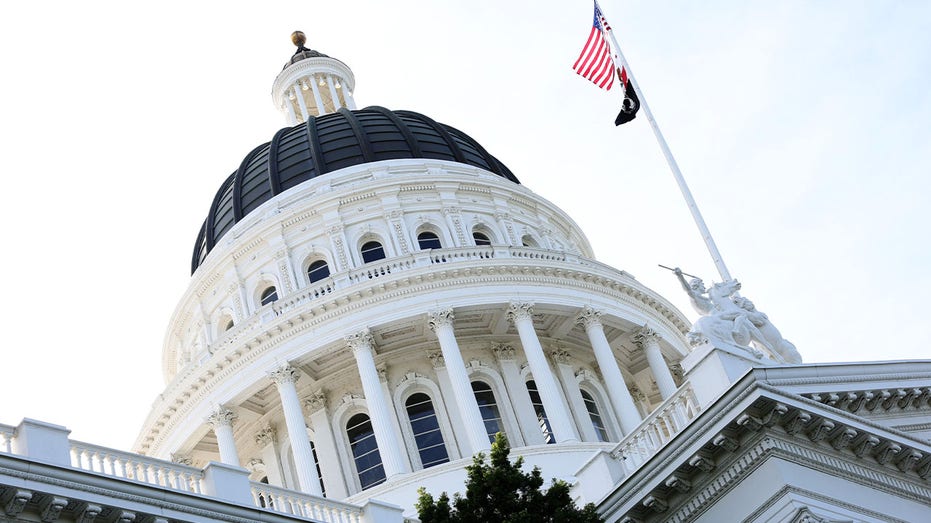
(595,416)
(317,271)
(541,412)
(365,450)
(428,240)
(426,430)
(480,238)
(268,295)
(487,405)
(372,251)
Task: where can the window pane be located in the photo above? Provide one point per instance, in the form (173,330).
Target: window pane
(372,251)
(489,408)
(269,295)
(317,271)
(426,430)
(428,240)
(365,450)
(597,422)
(480,239)
(541,412)
(313,450)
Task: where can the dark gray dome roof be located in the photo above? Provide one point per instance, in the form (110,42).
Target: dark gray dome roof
(327,143)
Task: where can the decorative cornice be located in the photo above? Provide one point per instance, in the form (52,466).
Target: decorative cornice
(518,311)
(444,317)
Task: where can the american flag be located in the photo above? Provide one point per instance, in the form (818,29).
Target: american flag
(596,62)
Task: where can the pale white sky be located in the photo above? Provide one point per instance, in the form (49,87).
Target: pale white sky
(802,128)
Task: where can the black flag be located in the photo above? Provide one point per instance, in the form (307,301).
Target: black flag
(629,106)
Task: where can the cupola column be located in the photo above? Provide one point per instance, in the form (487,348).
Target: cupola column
(321,110)
(521,314)
(621,400)
(388,445)
(333,93)
(441,322)
(299,93)
(285,377)
(289,107)
(221,420)
(648,340)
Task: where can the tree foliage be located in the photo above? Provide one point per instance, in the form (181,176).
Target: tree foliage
(501,492)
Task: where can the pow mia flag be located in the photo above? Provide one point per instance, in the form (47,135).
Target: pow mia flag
(630,105)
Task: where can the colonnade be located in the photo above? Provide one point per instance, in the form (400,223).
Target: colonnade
(314,85)
(565,409)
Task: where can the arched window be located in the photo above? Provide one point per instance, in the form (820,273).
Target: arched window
(595,416)
(528,241)
(372,251)
(317,271)
(487,405)
(365,450)
(541,412)
(428,240)
(426,430)
(269,295)
(480,238)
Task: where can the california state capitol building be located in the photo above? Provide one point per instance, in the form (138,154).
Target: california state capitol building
(374,295)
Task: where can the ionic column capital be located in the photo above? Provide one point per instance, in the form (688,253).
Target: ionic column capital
(361,340)
(222,417)
(518,311)
(436,319)
(645,337)
(284,374)
(266,436)
(588,318)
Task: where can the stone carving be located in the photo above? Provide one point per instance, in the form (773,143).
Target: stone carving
(316,401)
(503,352)
(644,337)
(360,340)
(17,502)
(520,311)
(182,459)
(52,507)
(89,513)
(436,358)
(284,374)
(266,436)
(560,356)
(439,318)
(733,321)
(589,317)
(222,416)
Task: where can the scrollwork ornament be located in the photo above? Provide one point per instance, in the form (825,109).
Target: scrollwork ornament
(518,311)
(222,416)
(503,352)
(645,337)
(444,317)
(316,401)
(284,374)
(361,340)
(266,436)
(588,318)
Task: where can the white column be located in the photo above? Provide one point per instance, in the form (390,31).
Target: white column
(321,110)
(266,439)
(379,412)
(620,397)
(222,420)
(574,395)
(327,454)
(520,398)
(299,93)
(289,108)
(333,94)
(459,445)
(350,101)
(285,377)
(648,340)
(441,322)
(557,414)
(395,422)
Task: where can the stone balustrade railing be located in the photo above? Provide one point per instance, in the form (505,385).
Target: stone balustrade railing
(657,429)
(127,465)
(304,505)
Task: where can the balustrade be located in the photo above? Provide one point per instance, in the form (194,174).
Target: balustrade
(6,438)
(304,505)
(658,429)
(126,465)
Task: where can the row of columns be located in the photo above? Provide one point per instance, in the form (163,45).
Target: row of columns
(455,381)
(312,83)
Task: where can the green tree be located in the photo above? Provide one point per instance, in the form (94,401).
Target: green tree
(500,492)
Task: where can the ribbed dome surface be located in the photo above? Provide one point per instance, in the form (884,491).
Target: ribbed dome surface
(328,143)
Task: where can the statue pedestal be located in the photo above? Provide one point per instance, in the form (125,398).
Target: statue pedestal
(712,370)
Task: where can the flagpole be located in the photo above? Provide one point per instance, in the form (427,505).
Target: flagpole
(686,193)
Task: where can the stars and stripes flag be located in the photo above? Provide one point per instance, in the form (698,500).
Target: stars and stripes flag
(596,61)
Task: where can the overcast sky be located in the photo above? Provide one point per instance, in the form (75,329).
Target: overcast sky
(803,128)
